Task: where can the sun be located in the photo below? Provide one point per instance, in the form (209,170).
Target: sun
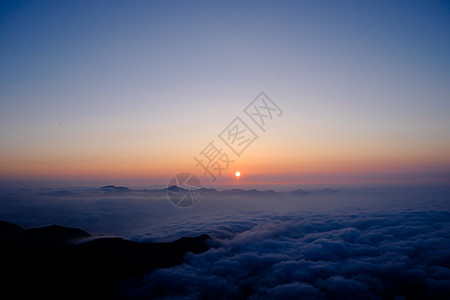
(237,174)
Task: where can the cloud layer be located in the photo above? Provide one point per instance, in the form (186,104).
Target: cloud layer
(311,256)
(385,243)
(148,216)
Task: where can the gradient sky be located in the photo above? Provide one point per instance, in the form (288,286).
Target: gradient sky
(130,92)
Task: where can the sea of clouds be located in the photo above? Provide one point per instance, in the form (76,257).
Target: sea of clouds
(366,243)
(388,255)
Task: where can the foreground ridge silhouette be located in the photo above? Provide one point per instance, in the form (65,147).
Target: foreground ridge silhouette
(60,262)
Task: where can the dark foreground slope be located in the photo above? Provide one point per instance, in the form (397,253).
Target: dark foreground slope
(60,262)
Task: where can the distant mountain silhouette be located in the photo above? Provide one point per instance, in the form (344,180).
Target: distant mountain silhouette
(249,193)
(59,262)
(241,192)
(205,192)
(174,188)
(115,189)
(299,192)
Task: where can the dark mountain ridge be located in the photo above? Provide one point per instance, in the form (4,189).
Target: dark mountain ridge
(52,260)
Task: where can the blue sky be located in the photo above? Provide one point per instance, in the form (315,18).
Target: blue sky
(139,88)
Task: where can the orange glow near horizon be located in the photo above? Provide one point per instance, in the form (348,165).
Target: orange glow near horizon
(267,161)
(260,166)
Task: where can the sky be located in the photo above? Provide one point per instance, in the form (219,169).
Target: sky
(129,93)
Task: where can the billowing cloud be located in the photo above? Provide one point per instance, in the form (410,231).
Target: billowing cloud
(401,255)
(387,243)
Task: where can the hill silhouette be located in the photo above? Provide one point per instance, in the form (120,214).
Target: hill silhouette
(56,262)
(114,189)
